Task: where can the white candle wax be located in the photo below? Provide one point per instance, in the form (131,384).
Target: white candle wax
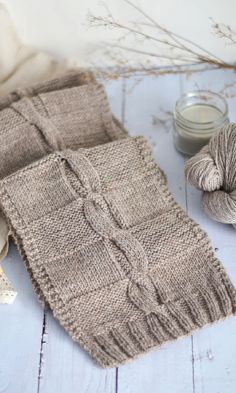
(200,123)
(201,113)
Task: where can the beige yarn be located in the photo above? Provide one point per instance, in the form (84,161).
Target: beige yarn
(213,170)
(121,265)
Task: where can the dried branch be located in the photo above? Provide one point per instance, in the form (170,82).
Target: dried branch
(177,38)
(178,50)
(224,31)
(228,90)
(165,121)
(156,55)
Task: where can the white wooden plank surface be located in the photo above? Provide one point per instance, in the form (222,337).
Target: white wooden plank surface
(20,332)
(67,368)
(214,347)
(203,363)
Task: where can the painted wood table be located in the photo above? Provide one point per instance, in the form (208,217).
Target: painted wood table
(37,355)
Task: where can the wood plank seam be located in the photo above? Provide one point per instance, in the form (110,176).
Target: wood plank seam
(41,355)
(186,208)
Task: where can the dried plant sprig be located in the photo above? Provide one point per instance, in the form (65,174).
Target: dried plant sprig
(165,120)
(112,73)
(177,38)
(228,90)
(179,52)
(224,31)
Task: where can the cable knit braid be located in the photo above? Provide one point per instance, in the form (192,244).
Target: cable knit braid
(213,170)
(119,263)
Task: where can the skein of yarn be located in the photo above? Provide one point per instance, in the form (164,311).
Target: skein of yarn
(213,170)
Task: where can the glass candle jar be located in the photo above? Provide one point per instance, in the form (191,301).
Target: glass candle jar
(197,116)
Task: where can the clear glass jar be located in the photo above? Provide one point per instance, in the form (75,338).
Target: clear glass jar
(197,116)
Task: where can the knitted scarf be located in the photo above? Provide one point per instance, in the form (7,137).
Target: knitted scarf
(121,265)
(67,111)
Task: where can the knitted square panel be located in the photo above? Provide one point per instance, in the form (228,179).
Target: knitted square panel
(67,112)
(121,265)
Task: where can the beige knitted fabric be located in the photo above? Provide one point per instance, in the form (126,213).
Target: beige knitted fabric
(123,268)
(63,113)
(68,111)
(65,80)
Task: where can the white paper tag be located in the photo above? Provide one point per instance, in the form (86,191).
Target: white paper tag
(7,292)
(4,234)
